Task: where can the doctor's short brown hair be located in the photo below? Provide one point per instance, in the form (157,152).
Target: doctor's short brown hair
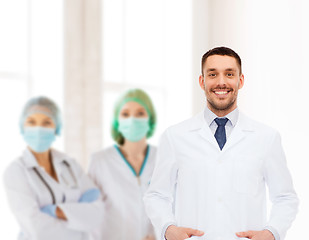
(223,51)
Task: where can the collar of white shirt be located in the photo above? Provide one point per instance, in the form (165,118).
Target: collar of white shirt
(210,117)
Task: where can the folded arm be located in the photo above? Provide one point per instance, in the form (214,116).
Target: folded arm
(23,204)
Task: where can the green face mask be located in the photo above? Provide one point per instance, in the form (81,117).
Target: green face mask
(133,129)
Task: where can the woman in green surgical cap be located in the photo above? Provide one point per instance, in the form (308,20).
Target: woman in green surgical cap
(123,171)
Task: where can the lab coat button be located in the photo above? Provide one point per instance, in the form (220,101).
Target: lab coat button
(219,199)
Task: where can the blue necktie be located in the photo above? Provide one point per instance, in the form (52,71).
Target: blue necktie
(220,134)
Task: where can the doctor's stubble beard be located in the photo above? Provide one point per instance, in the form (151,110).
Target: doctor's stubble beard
(225,107)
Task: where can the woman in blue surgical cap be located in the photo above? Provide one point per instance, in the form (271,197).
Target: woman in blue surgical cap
(47,191)
(123,171)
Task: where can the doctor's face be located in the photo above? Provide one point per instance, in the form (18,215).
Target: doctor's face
(221,81)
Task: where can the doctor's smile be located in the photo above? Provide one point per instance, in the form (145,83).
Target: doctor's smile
(222,93)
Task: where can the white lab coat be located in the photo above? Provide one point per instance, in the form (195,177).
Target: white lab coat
(196,185)
(125,217)
(27,193)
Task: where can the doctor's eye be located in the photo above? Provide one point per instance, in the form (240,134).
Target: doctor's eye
(124,114)
(47,123)
(212,75)
(141,113)
(230,74)
(30,122)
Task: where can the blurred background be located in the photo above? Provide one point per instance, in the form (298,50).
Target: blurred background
(84,53)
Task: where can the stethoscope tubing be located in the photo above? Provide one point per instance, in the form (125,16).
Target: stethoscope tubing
(48,186)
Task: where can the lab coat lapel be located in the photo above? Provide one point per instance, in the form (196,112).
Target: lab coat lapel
(199,124)
(240,132)
(57,160)
(60,168)
(236,136)
(29,159)
(206,133)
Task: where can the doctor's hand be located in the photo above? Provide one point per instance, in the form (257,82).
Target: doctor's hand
(181,233)
(90,195)
(257,235)
(60,214)
(49,210)
(53,211)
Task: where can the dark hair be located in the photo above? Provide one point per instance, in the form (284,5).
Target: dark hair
(223,51)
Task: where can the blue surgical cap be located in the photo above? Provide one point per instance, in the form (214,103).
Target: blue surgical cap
(42,105)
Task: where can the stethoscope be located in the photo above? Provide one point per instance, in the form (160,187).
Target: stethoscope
(48,186)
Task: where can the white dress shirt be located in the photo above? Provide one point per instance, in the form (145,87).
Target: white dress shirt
(230,124)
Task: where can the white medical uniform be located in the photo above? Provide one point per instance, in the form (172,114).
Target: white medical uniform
(122,189)
(196,185)
(29,187)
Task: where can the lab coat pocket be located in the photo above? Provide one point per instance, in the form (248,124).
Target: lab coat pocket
(246,175)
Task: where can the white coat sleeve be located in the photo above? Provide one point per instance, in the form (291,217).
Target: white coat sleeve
(281,190)
(23,204)
(95,172)
(83,216)
(159,198)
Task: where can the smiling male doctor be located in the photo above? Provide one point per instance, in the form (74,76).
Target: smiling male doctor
(212,170)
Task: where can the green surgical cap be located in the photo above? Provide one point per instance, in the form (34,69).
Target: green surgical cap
(42,105)
(133,95)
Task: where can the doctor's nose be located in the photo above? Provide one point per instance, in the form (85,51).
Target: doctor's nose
(221,80)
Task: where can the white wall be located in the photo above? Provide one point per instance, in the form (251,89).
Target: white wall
(31,64)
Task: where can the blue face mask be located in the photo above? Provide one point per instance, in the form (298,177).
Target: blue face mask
(133,129)
(39,139)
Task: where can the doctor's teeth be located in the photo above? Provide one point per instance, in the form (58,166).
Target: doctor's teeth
(221,93)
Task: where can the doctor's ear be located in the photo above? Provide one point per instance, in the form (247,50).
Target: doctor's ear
(202,81)
(241,81)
